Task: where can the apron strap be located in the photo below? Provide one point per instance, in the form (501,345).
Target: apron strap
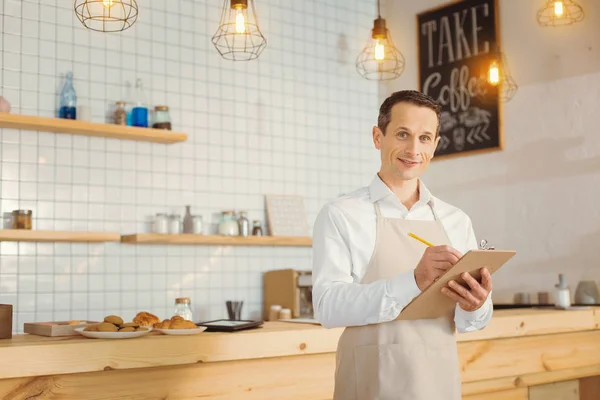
(435,216)
(377,210)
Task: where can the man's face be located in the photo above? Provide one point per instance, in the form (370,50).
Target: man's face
(409,142)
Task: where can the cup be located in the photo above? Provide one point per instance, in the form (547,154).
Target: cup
(234,310)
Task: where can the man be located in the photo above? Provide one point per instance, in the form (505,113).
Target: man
(367,268)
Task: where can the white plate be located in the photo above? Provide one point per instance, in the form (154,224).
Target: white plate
(112,335)
(181,331)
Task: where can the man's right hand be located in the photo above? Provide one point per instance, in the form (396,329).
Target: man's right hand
(435,261)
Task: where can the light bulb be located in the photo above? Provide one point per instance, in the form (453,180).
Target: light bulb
(494,73)
(558,8)
(108,3)
(240,23)
(379,51)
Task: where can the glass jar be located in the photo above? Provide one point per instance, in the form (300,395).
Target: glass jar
(256,228)
(162,118)
(244,224)
(161,223)
(174,224)
(21,219)
(197,223)
(229,225)
(183,308)
(120,114)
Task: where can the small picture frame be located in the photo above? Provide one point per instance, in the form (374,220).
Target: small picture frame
(286,215)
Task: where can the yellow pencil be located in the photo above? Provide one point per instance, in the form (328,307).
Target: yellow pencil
(420,239)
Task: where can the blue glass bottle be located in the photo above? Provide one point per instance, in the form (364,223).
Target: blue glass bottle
(139,114)
(68,99)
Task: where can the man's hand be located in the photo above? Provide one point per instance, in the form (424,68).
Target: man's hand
(435,261)
(473,298)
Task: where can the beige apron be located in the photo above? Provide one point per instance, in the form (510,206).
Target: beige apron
(399,360)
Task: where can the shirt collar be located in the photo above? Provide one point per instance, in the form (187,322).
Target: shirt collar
(379,190)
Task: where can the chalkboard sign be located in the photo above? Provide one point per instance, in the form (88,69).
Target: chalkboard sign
(457,43)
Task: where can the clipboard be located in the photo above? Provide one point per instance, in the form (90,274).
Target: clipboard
(432,303)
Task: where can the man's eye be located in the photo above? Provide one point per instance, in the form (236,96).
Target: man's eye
(425,138)
(402,134)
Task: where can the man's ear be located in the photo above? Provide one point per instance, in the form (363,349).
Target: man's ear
(377,137)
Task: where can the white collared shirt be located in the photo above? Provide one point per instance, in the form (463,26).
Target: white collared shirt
(343,242)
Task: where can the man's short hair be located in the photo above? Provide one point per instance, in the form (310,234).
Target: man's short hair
(406,96)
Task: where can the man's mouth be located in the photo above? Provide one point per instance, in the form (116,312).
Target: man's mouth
(409,163)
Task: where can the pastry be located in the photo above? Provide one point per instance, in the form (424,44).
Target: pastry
(107,327)
(176,322)
(127,329)
(75,323)
(113,319)
(91,328)
(146,319)
(130,325)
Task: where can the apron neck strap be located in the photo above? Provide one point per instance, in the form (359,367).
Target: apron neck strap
(378,211)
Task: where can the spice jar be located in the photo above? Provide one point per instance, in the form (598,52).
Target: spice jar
(162,118)
(174,224)
(120,114)
(244,224)
(197,224)
(21,219)
(183,308)
(161,223)
(256,228)
(228,225)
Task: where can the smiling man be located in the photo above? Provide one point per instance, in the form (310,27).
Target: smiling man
(366,268)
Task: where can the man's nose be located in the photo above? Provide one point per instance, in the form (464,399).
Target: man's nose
(411,147)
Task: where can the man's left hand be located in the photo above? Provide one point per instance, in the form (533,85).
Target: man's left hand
(472,298)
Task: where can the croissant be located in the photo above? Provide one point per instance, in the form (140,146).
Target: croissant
(146,319)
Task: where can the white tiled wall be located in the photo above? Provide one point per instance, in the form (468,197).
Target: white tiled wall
(295,121)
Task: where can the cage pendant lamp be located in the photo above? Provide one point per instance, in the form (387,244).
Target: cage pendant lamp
(380,59)
(238,37)
(106,15)
(559,13)
(497,78)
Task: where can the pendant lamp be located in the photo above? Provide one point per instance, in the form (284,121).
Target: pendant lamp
(106,15)
(238,37)
(560,12)
(498,75)
(380,59)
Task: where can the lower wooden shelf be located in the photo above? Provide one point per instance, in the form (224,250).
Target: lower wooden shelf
(25,235)
(218,240)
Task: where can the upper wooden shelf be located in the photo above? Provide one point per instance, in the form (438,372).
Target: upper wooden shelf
(25,235)
(75,127)
(218,240)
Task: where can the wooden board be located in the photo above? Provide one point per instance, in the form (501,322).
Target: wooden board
(432,303)
(511,394)
(55,328)
(567,390)
(25,235)
(289,378)
(519,381)
(75,127)
(216,240)
(6,320)
(529,322)
(514,357)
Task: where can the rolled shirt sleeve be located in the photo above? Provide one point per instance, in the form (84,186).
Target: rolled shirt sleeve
(337,300)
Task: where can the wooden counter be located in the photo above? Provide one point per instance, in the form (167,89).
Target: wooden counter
(520,355)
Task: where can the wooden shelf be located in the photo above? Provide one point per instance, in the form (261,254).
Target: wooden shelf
(75,127)
(152,238)
(23,235)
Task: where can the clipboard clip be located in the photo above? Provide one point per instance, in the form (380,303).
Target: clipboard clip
(484,245)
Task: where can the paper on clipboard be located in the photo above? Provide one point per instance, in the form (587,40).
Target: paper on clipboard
(432,303)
